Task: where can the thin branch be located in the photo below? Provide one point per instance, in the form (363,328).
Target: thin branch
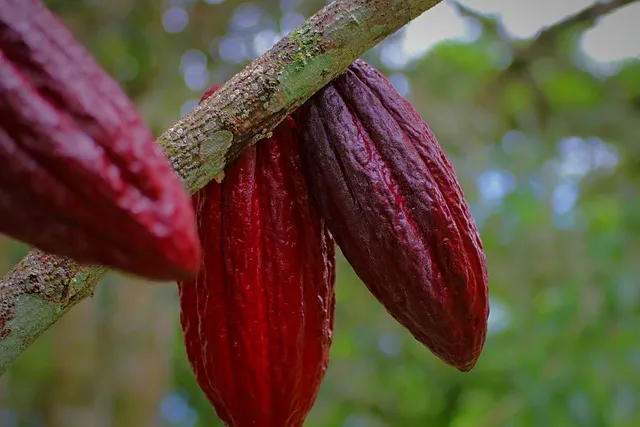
(41,288)
(546,41)
(545,44)
(584,19)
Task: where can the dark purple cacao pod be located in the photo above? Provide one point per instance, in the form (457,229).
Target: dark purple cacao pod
(258,319)
(393,203)
(80,172)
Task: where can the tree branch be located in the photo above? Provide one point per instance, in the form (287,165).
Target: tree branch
(550,42)
(41,288)
(545,42)
(584,19)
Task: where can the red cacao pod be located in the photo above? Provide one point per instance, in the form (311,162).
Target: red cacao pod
(393,203)
(258,319)
(80,173)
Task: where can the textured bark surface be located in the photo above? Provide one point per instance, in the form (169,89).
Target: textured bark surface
(80,172)
(200,144)
(392,200)
(258,320)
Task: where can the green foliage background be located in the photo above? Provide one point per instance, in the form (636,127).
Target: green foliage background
(548,153)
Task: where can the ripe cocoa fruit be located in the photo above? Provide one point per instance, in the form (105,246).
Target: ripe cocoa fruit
(393,203)
(80,173)
(258,319)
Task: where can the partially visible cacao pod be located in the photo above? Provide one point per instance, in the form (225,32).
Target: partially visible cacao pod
(80,173)
(393,203)
(258,319)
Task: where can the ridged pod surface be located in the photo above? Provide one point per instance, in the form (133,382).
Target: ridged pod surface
(393,203)
(258,319)
(80,172)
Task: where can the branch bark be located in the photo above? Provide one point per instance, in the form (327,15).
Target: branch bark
(42,287)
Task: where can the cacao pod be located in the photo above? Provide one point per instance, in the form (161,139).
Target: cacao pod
(80,173)
(258,319)
(393,204)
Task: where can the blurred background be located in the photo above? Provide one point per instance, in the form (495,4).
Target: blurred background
(539,110)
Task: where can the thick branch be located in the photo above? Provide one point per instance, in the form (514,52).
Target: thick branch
(41,288)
